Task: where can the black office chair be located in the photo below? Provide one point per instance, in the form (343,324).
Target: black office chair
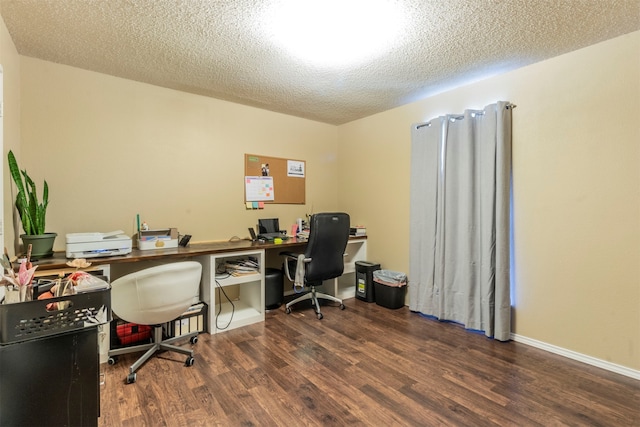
(322,260)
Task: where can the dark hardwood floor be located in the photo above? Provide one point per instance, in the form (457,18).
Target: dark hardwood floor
(366,365)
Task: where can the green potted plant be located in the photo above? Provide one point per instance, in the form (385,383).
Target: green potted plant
(32,212)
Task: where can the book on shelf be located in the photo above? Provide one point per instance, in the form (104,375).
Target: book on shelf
(195,308)
(241,267)
(358,230)
(237,273)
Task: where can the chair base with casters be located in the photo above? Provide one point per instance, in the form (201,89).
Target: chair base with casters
(152,348)
(313,295)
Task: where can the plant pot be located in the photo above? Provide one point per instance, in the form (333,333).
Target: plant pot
(41,244)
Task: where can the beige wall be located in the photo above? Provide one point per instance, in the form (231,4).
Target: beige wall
(111,148)
(10,61)
(576,177)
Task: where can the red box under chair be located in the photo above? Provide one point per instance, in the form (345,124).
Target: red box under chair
(129,333)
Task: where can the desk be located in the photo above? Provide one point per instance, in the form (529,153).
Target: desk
(58,260)
(248,291)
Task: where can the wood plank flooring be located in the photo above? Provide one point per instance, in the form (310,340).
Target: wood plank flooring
(367,366)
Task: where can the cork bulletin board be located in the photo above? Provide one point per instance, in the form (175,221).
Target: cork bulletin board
(287,177)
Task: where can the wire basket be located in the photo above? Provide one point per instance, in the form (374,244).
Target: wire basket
(35,319)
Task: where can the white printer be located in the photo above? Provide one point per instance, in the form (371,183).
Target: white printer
(91,245)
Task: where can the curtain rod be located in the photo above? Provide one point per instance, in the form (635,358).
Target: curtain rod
(508,106)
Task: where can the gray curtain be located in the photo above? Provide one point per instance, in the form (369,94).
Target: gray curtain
(460,201)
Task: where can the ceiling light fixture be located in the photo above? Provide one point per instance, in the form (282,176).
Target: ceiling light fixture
(335,33)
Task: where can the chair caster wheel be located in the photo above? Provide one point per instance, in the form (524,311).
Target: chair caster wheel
(342,307)
(320,316)
(190,361)
(194,340)
(112,360)
(131,378)
(287,310)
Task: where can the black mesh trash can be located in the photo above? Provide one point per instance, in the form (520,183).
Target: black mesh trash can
(364,280)
(273,288)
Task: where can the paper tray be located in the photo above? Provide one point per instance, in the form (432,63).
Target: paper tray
(158,239)
(160,243)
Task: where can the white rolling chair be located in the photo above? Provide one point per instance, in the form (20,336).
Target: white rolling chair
(154,296)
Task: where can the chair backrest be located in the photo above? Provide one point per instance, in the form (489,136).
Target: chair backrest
(158,294)
(328,236)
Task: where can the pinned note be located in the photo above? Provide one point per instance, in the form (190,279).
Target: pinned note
(259,188)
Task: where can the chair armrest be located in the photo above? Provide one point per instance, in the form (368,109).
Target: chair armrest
(289,254)
(295,256)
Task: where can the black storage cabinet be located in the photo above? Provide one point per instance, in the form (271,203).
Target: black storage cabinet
(51,381)
(49,360)
(365,290)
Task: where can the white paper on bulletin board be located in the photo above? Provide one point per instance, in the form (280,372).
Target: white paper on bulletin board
(295,168)
(258,188)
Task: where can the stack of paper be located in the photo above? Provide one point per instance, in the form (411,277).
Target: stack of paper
(241,267)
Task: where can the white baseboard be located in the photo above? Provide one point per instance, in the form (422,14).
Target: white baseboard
(618,369)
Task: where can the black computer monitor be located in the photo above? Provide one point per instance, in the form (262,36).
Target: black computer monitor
(269,225)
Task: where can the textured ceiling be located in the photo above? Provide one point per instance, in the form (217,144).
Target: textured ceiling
(221,49)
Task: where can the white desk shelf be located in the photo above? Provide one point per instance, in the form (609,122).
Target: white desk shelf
(245,292)
(345,285)
(236,280)
(356,251)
